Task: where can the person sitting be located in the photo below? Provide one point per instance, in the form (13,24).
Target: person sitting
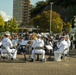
(49,47)
(21,46)
(68,44)
(38,45)
(61,48)
(0,44)
(8,46)
(14,42)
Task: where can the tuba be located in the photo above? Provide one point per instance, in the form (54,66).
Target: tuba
(33,36)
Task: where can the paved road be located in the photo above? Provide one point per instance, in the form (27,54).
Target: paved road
(20,67)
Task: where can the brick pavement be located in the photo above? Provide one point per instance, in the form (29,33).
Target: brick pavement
(20,67)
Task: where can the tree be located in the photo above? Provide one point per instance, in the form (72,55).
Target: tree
(66,3)
(57,23)
(59,6)
(6,26)
(13,25)
(43,22)
(38,8)
(1,24)
(63,3)
(67,27)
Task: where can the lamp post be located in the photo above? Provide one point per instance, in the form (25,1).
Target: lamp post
(75,30)
(51,3)
(75,21)
(37,29)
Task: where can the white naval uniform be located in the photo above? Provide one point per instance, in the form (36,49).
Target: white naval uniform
(0,45)
(7,44)
(15,42)
(61,47)
(38,43)
(68,45)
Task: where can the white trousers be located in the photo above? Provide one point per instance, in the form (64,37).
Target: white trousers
(3,52)
(66,51)
(0,49)
(57,55)
(11,52)
(41,51)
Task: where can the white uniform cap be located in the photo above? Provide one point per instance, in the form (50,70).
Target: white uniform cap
(67,36)
(45,36)
(62,36)
(51,37)
(38,35)
(7,33)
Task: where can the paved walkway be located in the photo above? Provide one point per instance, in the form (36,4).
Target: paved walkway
(20,67)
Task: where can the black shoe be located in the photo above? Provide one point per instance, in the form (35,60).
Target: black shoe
(25,59)
(43,60)
(31,60)
(49,58)
(62,57)
(66,55)
(3,57)
(13,59)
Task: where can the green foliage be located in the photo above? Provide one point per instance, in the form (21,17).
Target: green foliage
(1,21)
(38,8)
(13,25)
(1,24)
(63,3)
(6,26)
(67,27)
(43,22)
(66,3)
(21,30)
(42,19)
(75,36)
(57,25)
(60,6)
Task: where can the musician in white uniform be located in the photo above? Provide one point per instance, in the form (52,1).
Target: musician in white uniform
(68,44)
(0,44)
(61,47)
(7,45)
(38,45)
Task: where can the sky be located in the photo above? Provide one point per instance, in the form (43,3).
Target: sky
(6,8)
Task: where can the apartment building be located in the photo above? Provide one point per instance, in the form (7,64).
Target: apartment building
(21,11)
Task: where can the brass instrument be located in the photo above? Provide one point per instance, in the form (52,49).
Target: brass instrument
(33,36)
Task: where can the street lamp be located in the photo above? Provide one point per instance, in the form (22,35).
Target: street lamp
(37,29)
(75,21)
(51,3)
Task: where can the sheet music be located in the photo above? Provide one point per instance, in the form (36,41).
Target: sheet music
(24,42)
(48,47)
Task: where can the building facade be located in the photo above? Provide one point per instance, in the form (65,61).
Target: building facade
(21,11)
